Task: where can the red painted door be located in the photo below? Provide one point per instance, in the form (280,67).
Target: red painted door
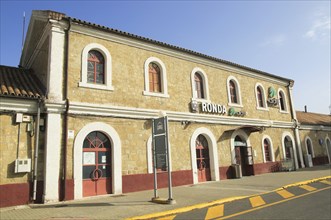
(96,164)
(202,153)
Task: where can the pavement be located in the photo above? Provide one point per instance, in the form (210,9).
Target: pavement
(138,205)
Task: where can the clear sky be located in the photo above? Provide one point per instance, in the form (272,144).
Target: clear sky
(286,38)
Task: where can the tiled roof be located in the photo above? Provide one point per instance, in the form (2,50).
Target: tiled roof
(21,83)
(309,118)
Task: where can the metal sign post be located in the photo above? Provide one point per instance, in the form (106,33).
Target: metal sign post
(161,155)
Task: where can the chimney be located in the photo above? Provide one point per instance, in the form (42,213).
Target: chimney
(305,109)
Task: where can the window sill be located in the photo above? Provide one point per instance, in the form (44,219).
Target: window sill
(96,86)
(262,109)
(161,95)
(235,105)
(284,112)
(201,100)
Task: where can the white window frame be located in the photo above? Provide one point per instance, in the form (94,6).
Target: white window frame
(164,82)
(265,108)
(107,67)
(205,85)
(237,92)
(285,101)
(271,149)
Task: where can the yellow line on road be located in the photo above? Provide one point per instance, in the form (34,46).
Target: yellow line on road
(170,217)
(215,212)
(308,188)
(284,193)
(271,204)
(326,182)
(256,201)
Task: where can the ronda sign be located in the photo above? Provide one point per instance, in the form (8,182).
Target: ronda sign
(213,108)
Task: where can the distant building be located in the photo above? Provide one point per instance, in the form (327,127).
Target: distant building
(96,90)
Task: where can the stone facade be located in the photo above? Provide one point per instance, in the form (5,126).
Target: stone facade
(123,108)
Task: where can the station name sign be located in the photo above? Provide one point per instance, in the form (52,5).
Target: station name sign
(213,108)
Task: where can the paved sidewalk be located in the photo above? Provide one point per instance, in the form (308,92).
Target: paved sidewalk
(138,203)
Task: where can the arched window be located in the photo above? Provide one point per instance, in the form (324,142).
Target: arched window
(199,83)
(260,97)
(233,92)
(282,101)
(95,67)
(233,88)
(154,77)
(288,147)
(309,147)
(267,151)
(199,87)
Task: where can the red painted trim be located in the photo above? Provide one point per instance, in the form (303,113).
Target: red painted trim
(14,194)
(320,160)
(139,182)
(268,167)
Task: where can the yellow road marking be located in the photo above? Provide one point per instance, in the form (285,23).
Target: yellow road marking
(304,182)
(284,193)
(308,188)
(271,204)
(256,201)
(215,212)
(326,182)
(170,217)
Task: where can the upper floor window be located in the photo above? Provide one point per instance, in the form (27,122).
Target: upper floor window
(282,101)
(199,85)
(96,69)
(233,91)
(260,97)
(155,78)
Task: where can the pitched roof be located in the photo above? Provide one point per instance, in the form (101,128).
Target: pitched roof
(20,83)
(309,118)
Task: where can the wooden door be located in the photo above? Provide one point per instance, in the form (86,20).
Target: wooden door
(202,154)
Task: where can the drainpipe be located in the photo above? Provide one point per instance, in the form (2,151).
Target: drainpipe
(296,128)
(65,148)
(36,152)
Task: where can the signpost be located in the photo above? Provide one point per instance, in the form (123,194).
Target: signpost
(161,155)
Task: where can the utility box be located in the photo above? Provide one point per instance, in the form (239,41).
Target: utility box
(236,168)
(22,165)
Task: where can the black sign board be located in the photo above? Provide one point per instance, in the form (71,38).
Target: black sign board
(160,142)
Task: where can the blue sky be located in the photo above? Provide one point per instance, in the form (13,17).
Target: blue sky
(286,38)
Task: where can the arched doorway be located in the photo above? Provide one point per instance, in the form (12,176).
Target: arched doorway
(96,164)
(202,157)
(115,157)
(243,156)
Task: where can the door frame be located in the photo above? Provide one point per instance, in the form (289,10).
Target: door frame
(116,157)
(213,154)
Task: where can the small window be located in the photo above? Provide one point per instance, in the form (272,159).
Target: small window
(260,97)
(267,153)
(282,101)
(154,78)
(233,89)
(95,68)
(199,88)
(199,83)
(155,74)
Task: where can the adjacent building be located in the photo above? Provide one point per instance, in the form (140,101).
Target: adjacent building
(88,131)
